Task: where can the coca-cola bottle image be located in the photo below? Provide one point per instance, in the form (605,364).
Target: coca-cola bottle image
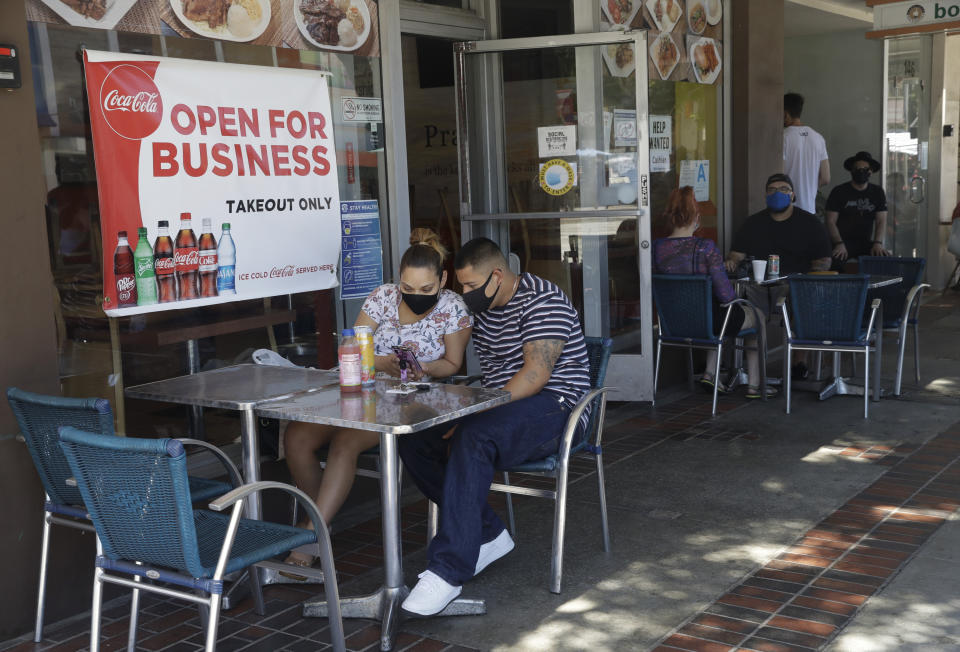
(186,260)
(163,265)
(145,275)
(123,271)
(208,260)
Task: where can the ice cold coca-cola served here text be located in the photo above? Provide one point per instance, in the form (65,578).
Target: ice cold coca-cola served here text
(186,260)
(163,265)
(208,260)
(123,271)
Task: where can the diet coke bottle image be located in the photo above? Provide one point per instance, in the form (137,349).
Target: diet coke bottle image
(186,260)
(163,265)
(143,268)
(208,261)
(123,271)
(227,259)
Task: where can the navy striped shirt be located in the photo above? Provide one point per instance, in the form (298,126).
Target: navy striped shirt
(539,310)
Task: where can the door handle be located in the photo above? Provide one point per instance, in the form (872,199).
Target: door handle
(918,189)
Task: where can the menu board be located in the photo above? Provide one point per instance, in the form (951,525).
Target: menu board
(684,37)
(349,26)
(217,182)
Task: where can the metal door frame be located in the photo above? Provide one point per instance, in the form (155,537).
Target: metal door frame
(630,374)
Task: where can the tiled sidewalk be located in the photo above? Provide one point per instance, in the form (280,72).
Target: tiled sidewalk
(803,598)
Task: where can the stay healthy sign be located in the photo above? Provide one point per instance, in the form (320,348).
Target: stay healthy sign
(926,15)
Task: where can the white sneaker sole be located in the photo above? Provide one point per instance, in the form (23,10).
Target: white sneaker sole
(494,550)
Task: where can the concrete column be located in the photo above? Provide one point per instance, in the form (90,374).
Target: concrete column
(28,350)
(757,103)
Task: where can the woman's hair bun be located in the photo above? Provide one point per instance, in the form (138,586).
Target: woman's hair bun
(428,238)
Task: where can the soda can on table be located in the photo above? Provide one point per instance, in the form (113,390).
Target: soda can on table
(368,365)
(773,266)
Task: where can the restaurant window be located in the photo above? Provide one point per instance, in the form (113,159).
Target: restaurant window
(99,355)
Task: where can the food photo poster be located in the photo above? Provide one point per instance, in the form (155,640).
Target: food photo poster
(343,26)
(684,38)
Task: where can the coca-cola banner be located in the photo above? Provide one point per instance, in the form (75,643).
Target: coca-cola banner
(217,182)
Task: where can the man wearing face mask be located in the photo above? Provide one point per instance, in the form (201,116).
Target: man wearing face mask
(530,343)
(857,213)
(782,229)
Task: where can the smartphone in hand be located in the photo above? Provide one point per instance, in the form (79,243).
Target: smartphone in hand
(405,353)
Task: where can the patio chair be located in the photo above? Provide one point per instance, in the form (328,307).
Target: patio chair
(557,465)
(685,310)
(39,416)
(136,491)
(900,304)
(828,316)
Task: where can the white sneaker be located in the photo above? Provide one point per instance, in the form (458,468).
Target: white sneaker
(493,550)
(431,595)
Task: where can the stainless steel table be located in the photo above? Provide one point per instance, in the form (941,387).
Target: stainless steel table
(391,415)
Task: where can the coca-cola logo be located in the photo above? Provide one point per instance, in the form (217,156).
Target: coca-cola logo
(125,284)
(186,258)
(163,265)
(208,259)
(281,272)
(131,102)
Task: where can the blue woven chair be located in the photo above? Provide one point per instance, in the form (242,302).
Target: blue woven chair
(557,465)
(685,310)
(137,493)
(901,303)
(828,315)
(39,417)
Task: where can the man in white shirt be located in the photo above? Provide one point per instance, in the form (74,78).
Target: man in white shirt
(804,155)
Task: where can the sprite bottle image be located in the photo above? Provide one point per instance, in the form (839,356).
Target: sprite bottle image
(143,270)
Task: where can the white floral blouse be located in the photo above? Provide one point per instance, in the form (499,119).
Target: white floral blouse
(424,336)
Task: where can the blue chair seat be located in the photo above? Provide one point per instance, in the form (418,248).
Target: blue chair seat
(203,489)
(255,541)
(548,464)
(73,511)
(695,340)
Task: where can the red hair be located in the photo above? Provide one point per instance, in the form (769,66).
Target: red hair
(681,208)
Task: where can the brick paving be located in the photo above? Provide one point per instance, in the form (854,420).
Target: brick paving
(798,601)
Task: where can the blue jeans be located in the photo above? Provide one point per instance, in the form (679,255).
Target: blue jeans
(500,438)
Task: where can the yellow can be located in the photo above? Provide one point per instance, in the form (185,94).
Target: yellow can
(368,363)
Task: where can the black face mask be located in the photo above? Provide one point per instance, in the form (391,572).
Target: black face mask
(477,301)
(861,176)
(420,303)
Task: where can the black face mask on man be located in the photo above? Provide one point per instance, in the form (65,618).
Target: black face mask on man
(477,301)
(860,175)
(420,303)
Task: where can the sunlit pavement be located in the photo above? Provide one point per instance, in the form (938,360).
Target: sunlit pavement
(754,530)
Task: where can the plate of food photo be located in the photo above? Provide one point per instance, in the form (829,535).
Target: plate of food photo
(102,14)
(665,55)
(342,25)
(620,12)
(714,11)
(620,59)
(665,13)
(229,20)
(705,59)
(696,16)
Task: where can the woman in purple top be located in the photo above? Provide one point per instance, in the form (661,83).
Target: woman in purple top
(683,253)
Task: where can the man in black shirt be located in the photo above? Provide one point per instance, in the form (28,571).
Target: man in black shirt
(857,213)
(782,229)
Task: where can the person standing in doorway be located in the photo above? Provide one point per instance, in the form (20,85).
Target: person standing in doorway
(804,155)
(857,213)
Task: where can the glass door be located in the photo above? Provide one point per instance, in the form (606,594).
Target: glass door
(906,142)
(552,138)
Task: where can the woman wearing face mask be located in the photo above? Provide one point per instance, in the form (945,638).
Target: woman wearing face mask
(683,253)
(857,213)
(416,312)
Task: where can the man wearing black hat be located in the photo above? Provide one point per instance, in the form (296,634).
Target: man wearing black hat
(782,229)
(857,213)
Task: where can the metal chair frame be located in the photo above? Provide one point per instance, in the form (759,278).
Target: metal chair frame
(690,344)
(844,347)
(70,515)
(133,573)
